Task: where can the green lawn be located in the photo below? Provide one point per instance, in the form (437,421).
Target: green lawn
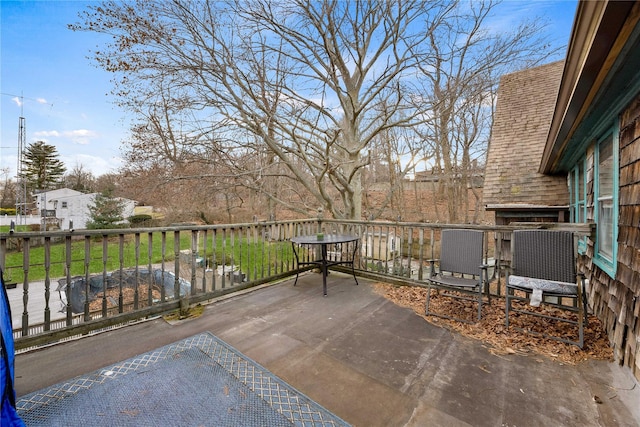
(253,257)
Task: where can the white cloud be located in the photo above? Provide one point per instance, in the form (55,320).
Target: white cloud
(78,136)
(47,134)
(41,101)
(17,101)
(9,162)
(80,133)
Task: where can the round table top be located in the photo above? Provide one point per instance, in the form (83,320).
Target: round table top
(327,239)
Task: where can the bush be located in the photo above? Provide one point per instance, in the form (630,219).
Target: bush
(141,219)
(7,211)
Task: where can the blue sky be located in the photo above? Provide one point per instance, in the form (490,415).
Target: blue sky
(46,77)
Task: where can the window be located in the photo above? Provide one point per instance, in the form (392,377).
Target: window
(605,193)
(578,194)
(605,199)
(64,205)
(578,197)
(605,188)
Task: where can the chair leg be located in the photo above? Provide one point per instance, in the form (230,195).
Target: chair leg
(580,332)
(507,306)
(582,317)
(487,288)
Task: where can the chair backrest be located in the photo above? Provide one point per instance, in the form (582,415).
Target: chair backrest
(461,251)
(544,254)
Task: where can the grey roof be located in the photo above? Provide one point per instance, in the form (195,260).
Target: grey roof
(526,100)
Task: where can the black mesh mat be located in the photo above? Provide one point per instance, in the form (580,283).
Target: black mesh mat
(200,381)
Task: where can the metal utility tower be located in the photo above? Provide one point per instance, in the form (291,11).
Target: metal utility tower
(21,192)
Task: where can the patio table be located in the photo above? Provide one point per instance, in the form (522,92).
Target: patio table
(324,262)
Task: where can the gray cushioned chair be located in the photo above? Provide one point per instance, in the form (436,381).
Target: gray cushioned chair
(461,274)
(543,271)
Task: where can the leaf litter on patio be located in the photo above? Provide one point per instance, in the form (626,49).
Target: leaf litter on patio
(491,329)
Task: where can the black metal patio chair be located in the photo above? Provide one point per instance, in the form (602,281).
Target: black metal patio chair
(543,271)
(461,274)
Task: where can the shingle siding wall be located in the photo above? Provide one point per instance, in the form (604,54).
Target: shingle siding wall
(617,302)
(526,101)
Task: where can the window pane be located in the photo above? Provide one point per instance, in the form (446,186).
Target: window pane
(581,217)
(605,168)
(605,228)
(570,186)
(605,198)
(581,195)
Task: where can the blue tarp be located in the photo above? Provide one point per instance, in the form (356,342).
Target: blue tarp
(8,415)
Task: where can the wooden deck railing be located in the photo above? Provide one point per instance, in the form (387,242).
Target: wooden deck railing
(71,283)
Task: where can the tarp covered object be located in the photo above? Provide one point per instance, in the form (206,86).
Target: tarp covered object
(8,415)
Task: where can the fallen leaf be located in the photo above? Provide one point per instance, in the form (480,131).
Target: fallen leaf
(491,328)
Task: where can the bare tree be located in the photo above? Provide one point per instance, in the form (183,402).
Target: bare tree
(9,189)
(79,179)
(307,88)
(460,81)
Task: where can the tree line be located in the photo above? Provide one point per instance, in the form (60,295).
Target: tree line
(262,108)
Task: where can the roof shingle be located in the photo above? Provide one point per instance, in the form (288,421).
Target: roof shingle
(526,100)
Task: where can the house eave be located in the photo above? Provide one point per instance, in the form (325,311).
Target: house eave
(524,207)
(600,32)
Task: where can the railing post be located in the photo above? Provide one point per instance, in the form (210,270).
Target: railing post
(194,255)
(47,282)
(67,289)
(214,258)
(150,261)
(257,232)
(87,255)
(25,286)
(224,255)
(121,275)
(105,259)
(205,263)
(421,254)
(184,299)
(163,292)
(136,291)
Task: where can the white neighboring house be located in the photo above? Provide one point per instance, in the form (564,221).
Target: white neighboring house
(72,207)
